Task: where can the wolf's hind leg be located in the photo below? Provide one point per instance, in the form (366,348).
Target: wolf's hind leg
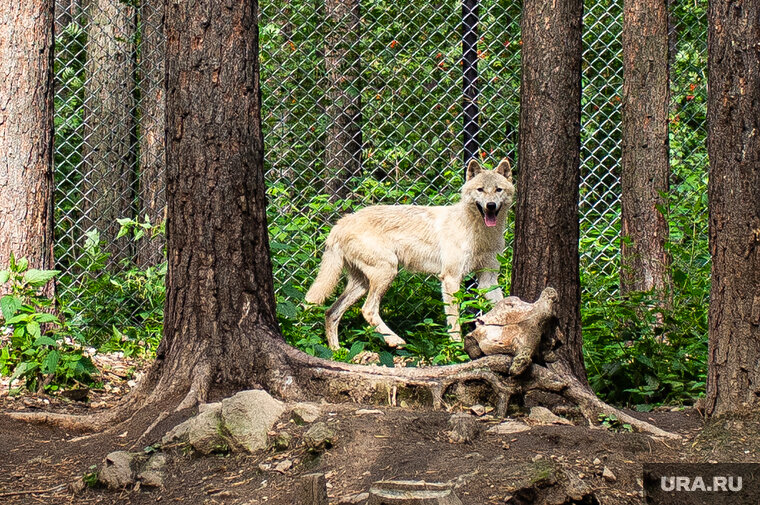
(355,289)
(380,280)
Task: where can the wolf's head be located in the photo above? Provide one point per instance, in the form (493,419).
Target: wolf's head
(490,191)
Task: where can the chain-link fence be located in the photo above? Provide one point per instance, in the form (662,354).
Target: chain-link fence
(362,103)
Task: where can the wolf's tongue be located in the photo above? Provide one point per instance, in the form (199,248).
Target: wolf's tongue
(490,220)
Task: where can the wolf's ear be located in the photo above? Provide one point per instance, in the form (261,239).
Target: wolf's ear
(504,169)
(473,169)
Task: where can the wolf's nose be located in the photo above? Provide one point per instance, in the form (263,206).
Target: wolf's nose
(491,206)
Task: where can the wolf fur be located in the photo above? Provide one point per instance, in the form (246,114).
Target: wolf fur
(450,241)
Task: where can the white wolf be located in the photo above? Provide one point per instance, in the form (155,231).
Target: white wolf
(450,241)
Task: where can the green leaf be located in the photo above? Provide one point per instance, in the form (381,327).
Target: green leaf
(43,340)
(19,318)
(50,365)
(37,278)
(20,370)
(44,317)
(33,328)
(4,276)
(22,265)
(356,348)
(386,359)
(9,304)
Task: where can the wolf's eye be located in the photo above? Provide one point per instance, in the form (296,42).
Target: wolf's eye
(499,190)
(480,189)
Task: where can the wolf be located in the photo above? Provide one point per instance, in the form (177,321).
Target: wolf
(450,241)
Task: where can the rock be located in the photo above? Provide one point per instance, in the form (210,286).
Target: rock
(282,441)
(117,472)
(478,410)
(608,475)
(412,493)
(283,466)
(204,433)
(542,415)
(312,490)
(248,416)
(304,413)
(319,437)
(203,407)
(153,472)
(508,427)
(464,428)
(597,461)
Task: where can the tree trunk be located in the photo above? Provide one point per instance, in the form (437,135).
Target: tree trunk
(152,123)
(645,162)
(470,92)
(108,154)
(344,137)
(26,132)
(546,212)
(733,379)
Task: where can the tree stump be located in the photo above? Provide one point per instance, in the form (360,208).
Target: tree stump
(525,331)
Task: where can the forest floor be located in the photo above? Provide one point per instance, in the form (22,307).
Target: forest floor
(545,464)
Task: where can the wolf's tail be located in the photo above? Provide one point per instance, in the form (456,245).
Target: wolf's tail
(328,276)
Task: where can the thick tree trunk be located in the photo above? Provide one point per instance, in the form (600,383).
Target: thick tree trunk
(26,132)
(343,145)
(220,306)
(109,178)
(733,380)
(152,123)
(546,212)
(645,162)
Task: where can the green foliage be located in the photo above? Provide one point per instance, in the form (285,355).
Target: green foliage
(116,309)
(35,345)
(612,423)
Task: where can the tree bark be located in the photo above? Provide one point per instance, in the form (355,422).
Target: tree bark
(546,211)
(733,379)
(645,158)
(108,154)
(343,145)
(152,183)
(26,132)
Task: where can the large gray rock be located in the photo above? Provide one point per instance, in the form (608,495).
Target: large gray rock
(118,470)
(248,416)
(542,415)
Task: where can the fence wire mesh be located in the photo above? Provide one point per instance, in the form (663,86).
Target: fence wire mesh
(362,104)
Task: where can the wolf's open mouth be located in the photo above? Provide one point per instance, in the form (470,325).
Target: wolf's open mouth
(489,215)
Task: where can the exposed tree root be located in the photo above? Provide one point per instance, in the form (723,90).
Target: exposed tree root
(299,376)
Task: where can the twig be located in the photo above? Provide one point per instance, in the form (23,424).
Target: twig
(33,491)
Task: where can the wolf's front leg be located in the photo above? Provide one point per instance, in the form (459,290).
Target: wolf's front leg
(488,278)
(449,286)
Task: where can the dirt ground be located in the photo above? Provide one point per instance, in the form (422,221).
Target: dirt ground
(39,463)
